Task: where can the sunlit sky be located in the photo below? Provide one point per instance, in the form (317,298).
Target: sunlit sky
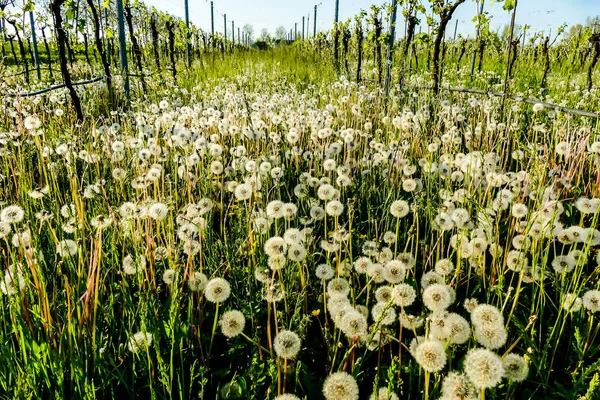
(541,15)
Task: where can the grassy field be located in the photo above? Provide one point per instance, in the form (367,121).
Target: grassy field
(267,228)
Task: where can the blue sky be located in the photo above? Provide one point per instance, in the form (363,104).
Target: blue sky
(541,15)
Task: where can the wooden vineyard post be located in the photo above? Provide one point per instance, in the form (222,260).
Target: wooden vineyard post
(390,51)
(36,54)
(123,48)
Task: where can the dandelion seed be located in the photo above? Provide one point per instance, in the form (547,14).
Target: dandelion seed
(197,281)
(515,367)
(410,322)
(141,341)
(338,287)
(470,304)
(431,278)
(403,295)
(217,290)
(485,314)
(353,324)
(13,280)
(326,192)
(170,276)
(287,344)
(158,211)
(277,262)
(430,355)
(387,317)
(484,368)
(232,323)
(383,294)
(293,236)
(296,252)
(66,248)
(289,210)
(591,300)
(324,272)
(519,210)
(444,267)
(334,208)
(287,396)
(437,297)
(275,246)
(389,237)
(572,303)
(12,214)
(384,394)
(491,336)
(362,264)
(376,272)
(5,229)
(399,209)
(457,386)
(340,386)
(563,263)
(443,222)
(394,271)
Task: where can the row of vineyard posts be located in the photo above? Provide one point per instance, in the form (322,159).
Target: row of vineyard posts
(163,40)
(144,35)
(439,49)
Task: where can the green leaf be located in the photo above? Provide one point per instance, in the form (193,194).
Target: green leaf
(509,5)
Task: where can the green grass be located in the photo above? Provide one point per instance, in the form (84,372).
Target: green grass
(66,333)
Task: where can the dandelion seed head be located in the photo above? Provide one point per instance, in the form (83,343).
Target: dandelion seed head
(431,355)
(515,367)
(12,214)
(591,300)
(141,341)
(340,385)
(384,394)
(197,281)
(217,290)
(232,323)
(403,295)
(287,344)
(456,386)
(484,368)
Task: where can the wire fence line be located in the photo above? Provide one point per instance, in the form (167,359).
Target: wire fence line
(55,87)
(79,83)
(555,107)
(24,72)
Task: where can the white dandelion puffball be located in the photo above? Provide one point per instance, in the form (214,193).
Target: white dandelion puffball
(66,248)
(515,367)
(437,297)
(340,386)
(12,214)
(384,394)
(217,290)
(399,209)
(141,341)
(158,211)
(403,295)
(287,344)
(197,281)
(484,368)
(591,300)
(232,323)
(431,355)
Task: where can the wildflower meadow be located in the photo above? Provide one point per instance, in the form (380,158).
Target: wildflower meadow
(332,216)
